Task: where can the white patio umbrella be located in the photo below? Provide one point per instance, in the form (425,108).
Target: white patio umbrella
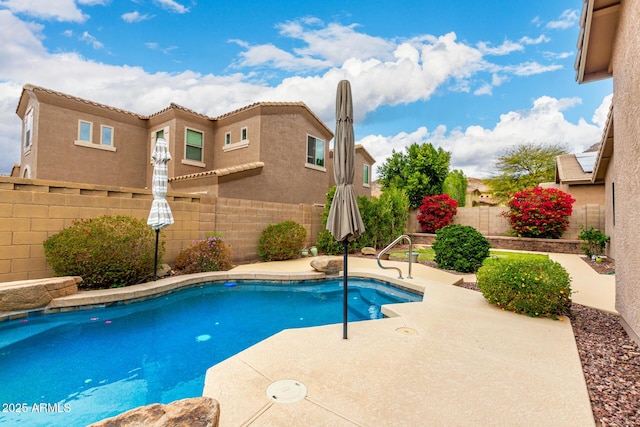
(344,221)
(160,215)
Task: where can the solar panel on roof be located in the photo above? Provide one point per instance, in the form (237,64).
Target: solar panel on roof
(587,161)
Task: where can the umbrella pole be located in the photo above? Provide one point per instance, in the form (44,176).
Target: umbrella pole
(155,259)
(345,292)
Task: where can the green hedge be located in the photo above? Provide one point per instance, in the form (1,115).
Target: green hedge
(107,252)
(535,287)
(461,248)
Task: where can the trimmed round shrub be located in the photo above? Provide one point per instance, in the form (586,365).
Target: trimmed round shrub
(540,212)
(107,252)
(535,287)
(210,254)
(460,247)
(281,241)
(437,212)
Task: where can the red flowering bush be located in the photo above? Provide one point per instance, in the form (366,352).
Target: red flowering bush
(437,212)
(540,212)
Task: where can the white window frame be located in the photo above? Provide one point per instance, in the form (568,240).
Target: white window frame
(28,131)
(102,129)
(324,154)
(366,173)
(191,162)
(80,123)
(89,144)
(243,143)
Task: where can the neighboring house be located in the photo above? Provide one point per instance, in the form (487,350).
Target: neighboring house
(609,46)
(574,175)
(478,194)
(268,151)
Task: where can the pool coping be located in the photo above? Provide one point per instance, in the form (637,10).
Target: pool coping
(88,299)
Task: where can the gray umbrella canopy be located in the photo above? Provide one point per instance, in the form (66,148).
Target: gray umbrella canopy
(160,215)
(344,222)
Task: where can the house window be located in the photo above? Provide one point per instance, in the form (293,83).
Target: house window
(160,134)
(243,134)
(365,176)
(106,135)
(28,129)
(227,138)
(193,150)
(613,201)
(84,131)
(315,151)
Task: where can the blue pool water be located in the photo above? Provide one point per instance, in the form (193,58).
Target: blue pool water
(77,368)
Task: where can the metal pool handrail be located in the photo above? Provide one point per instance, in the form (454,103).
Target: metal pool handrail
(392,244)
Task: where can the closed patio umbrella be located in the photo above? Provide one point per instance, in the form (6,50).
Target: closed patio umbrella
(160,215)
(344,221)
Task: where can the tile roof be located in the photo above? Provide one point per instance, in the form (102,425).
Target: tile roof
(220,172)
(570,171)
(33,88)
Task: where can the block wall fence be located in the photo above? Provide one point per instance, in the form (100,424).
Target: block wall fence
(489,220)
(33,210)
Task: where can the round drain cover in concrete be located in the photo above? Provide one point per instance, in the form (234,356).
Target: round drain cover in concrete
(406,331)
(286,391)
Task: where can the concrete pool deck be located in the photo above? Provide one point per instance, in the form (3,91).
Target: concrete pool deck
(451,359)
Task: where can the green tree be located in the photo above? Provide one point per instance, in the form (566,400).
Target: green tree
(420,171)
(523,166)
(455,185)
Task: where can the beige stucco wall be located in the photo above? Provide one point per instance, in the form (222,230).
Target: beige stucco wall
(58,157)
(585,194)
(626,163)
(33,210)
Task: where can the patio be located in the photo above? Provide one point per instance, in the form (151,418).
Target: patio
(449,360)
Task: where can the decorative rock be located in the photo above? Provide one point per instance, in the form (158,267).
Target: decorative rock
(194,412)
(27,294)
(164,270)
(327,264)
(368,251)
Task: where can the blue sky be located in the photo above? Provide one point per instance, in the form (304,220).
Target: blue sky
(472,77)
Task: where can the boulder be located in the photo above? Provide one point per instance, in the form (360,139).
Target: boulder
(327,264)
(28,294)
(193,412)
(368,251)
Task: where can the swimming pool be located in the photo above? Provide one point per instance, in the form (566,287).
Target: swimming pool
(77,368)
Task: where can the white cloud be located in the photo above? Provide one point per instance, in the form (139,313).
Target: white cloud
(382,73)
(567,19)
(474,149)
(135,16)
(91,40)
(540,39)
(504,49)
(172,6)
(602,112)
(58,10)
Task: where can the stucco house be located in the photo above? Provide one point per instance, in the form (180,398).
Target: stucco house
(574,175)
(609,46)
(268,151)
